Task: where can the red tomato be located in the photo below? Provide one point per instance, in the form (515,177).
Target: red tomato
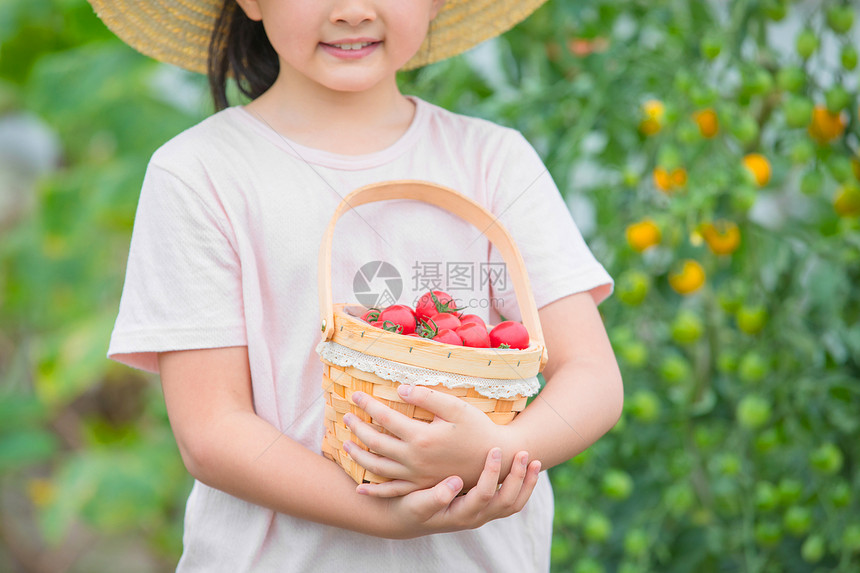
(435,302)
(467,318)
(387,325)
(445,320)
(448,336)
(415,334)
(511,333)
(474,335)
(371,315)
(401,315)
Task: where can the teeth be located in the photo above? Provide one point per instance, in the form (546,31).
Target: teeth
(357,46)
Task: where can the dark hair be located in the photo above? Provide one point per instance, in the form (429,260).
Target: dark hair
(239,48)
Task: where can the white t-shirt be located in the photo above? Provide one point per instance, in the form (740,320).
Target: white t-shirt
(224,253)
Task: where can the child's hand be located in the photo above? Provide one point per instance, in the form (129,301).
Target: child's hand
(422,454)
(438,510)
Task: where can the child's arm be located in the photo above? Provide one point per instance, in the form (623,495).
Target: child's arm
(225,445)
(581,401)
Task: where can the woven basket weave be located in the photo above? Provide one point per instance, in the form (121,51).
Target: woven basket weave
(342,327)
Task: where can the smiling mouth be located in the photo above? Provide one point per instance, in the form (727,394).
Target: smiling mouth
(352,46)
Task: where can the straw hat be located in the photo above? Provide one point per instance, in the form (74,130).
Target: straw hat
(178,31)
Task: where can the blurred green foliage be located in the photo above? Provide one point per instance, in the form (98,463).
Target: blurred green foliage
(738,448)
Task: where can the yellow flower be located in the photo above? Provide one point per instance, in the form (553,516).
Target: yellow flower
(847,201)
(689,279)
(669,181)
(707,121)
(825,126)
(643,235)
(652,122)
(759,167)
(723,237)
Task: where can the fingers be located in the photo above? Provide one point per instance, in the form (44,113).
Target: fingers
(426,503)
(445,406)
(374,463)
(393,488)
(377,441)
(391,420)
(520,483)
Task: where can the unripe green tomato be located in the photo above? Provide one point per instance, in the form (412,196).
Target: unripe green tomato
(560,551)
(635,353)
(636,543)
(753,411)
(745,129)
(687,328)
(849,57)
(775,9)
(827,458)
(588,565)
(768,533)
(729,464)
(727,361)
(802,152)
(797,519)
(631,177)
(675,369)
(767,440)
(684,80)
(751,319)
(851,538)
(789,490)
(812,549)
(791,79)
(572,514)
(705,437)
(644,405)
(688,133)
(702,96)
(617,484)
(669,157)
(766,496)
(679,498)
(760,83)
(806,43)
(840,167)
(633,286)
(812,182)
(837,98)
(797,110)
(597,527)
(841,494)
(840,18)
(711,46)
(744,196)
(753,367)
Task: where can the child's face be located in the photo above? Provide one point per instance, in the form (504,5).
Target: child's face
(344,45)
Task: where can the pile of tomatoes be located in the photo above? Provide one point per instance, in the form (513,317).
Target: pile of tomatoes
(436,317)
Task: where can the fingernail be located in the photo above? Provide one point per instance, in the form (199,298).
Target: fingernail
(455,484)
(348,419)
(358,398)
(361,489)
(404,390)
(525,461)
(346,447)
(497,454)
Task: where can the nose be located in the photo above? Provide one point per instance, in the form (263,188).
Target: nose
(353,12)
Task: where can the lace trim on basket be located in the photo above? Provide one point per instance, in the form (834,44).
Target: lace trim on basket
(397,371)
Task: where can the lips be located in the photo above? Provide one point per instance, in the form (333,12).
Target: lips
(351,49)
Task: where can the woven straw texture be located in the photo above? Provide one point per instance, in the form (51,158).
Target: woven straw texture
(339,384)
(178,31)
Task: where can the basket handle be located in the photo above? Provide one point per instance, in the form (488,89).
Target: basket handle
(455,203)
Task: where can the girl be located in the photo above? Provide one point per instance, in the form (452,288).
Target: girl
(219,296)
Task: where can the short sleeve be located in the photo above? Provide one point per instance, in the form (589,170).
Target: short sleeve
(530,206)
(183,287)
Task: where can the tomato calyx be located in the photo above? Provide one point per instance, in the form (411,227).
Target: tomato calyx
(427,328)
(372,314)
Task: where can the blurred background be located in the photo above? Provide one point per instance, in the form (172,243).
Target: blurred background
(707,149)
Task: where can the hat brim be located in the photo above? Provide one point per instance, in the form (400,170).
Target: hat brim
(178,32)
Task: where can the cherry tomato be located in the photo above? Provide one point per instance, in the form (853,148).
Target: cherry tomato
(435,302)
(446,320)
(371,315)
(387,325)
(399,314)
(448,336)
(467,318)
(511,333)
(474,335)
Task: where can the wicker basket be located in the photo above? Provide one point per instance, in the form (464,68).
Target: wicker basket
(343,327)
